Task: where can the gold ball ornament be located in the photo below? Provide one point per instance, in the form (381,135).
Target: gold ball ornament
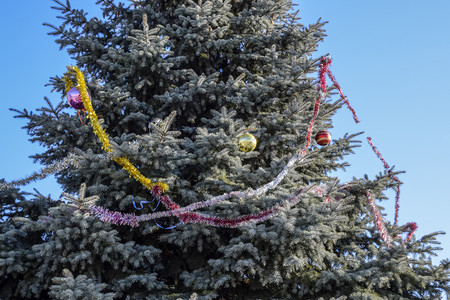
(247,142)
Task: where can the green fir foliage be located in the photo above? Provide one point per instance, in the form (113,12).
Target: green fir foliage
(175,83)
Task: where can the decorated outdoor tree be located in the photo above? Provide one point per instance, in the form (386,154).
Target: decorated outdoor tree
(191,168)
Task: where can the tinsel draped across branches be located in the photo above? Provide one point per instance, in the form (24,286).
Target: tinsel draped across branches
(100,132)
(188,213)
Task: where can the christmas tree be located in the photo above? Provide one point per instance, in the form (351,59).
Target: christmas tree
(190,169)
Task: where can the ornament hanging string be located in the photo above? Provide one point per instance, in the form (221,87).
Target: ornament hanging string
(140,202)
(186,214)
(157,204)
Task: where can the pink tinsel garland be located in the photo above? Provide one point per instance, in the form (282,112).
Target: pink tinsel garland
(193,217)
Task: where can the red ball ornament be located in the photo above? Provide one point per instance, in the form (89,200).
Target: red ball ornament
(74,98)
(323,138)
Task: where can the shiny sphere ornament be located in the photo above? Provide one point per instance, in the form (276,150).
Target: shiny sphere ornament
(323,138)
(247,142)
(74,98)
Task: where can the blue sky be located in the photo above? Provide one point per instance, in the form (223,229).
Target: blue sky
(390,58)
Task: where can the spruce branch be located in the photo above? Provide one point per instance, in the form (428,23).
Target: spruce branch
(57,83)
(58,166)
(51,109)
(295,108)
(80,202)
(64,8)
(61,31)
(22,114)
(162,127)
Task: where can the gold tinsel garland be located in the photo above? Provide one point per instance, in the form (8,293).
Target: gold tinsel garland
(100,132)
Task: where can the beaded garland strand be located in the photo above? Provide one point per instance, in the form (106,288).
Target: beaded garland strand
(187,215)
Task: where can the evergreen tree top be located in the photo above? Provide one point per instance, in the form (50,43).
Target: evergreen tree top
(167,89)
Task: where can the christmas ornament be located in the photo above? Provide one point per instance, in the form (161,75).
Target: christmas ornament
(247,142)
(323,138)
(74,98)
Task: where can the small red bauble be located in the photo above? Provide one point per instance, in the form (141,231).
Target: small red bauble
(323,138)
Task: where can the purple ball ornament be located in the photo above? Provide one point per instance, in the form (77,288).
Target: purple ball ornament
(74,98)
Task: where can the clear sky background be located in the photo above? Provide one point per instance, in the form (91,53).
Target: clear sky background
(391,59)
